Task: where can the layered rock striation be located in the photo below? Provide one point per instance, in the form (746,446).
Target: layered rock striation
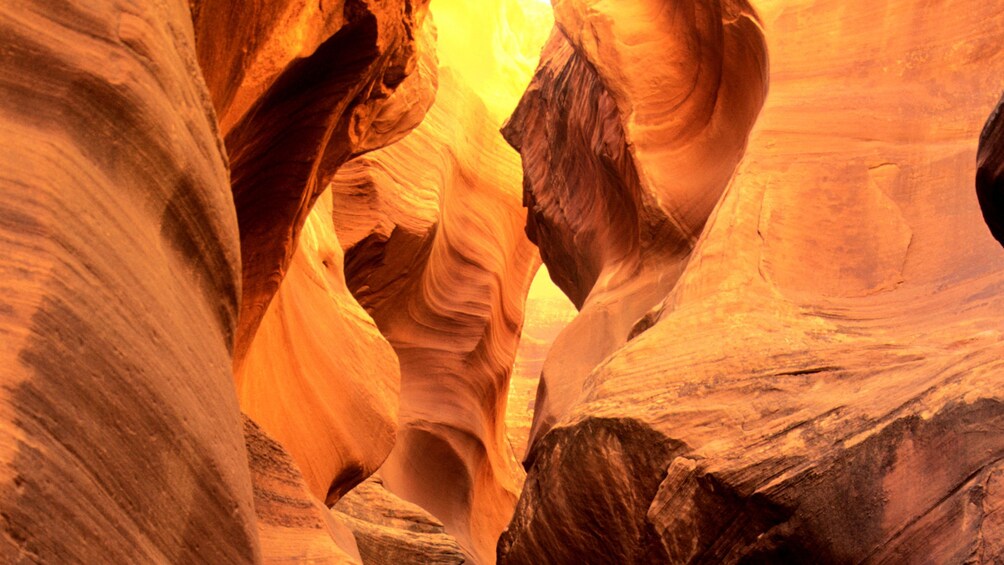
(434,252)
(392,531)
(820,384)
(299,89)
(613,230)
(120,274)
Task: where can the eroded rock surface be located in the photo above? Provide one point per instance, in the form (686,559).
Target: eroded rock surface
(434,253)
(614,232)
(317,375)
(120,269)
(822,382)
(293,525)
(320,378)
(300,88)
(392,531)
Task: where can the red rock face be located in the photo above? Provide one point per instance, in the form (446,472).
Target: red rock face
(787,349)
(120,274)
(614,236)
(434,252)
(818,384)
(296,104)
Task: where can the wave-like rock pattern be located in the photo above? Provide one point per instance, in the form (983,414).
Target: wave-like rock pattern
(120,275)
(306,89)
(434,251)
(611,239)
(820,384)
(320,378)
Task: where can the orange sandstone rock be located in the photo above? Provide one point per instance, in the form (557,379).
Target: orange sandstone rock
(614,232)
(434,252)
(299,90)
(120,275)
(320,378)
(822,382)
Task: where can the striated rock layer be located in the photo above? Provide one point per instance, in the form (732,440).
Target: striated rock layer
(435,254)
(293,526)
(822,382)
(391,531)
(300,88)
(434,251)
(120,432)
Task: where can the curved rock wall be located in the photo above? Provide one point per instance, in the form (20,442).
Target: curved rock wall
(834,335)
(614,215)
(120,279)
(435,254)
(318,376)
(306,89)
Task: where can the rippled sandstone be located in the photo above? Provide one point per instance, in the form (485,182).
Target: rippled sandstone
(435,254)
(299,89)
(820,383)
(120,275)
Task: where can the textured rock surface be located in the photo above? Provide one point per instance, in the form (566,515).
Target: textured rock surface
(293,525)
(434,251)
(391,531)
(120,432)
(546,314)
(615,235)
(990,173)
(301,88)
(320,378)
(435,254)
(822,383)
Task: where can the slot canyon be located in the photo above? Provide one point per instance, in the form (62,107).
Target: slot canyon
(573,282)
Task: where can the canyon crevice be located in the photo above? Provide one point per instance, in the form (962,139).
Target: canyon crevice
(273,289)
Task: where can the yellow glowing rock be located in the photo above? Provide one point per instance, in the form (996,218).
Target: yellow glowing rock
(320,378)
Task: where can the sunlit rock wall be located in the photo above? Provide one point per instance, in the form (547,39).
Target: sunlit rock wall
(611,237)
(318,376)
(443,269)
(435,252)
(120,274)
(300,88)
(822,382)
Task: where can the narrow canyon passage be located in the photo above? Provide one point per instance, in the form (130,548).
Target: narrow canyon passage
(392,282)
